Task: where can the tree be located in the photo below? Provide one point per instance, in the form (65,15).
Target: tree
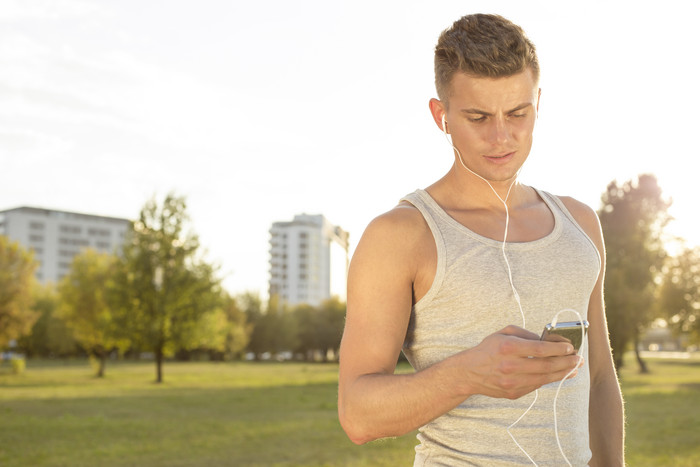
(679,294)
(163,287)
(309,342)
(332,313)
(261,333)
(224,332)
(633,216)
(238,329)
(17,268)
(320,328)
(275,328)
(50,336)
(84,305)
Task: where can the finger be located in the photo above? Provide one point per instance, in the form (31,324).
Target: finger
(528,344)
(517,331)
(525,384)
(544,349)
(570,374)
(540,366)
(520,347)
(541,379)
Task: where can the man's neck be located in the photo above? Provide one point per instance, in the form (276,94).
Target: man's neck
(472,192)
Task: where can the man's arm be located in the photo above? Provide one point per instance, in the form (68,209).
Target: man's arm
(606,413)
(372,401)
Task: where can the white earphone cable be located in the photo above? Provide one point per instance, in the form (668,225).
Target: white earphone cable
(520,307)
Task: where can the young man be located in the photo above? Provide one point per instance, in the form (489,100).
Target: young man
(435,278)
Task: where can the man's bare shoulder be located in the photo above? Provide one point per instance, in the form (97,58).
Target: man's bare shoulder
(397,255)
(584,215)
(404,223)
(398,236)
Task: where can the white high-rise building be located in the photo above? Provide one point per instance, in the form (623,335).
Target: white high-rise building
(308,260)
(57,236)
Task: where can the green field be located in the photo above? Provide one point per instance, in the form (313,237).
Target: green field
(663,413)
(264,414)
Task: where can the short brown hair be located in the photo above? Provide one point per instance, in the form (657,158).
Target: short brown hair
(485,46)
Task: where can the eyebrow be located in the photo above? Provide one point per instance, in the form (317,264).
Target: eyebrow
(488,114)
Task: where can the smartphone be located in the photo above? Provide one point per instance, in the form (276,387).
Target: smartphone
(569,331)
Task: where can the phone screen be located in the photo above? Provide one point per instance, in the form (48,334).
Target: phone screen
(565,332)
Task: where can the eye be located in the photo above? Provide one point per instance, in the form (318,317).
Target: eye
(519,115)
(477,119)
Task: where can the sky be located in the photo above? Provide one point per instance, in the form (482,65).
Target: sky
(257,111)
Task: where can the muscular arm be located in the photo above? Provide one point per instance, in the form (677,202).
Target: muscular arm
(373,402)
(606,414)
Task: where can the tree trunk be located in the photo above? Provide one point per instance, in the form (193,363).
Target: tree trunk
(617,359)
(101,368)
(159,364)
(100,357)
(642,364)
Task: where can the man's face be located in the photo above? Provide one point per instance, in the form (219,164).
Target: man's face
(491,122)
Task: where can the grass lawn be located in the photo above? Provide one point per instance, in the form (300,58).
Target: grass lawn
(204,414)
(265,414)
(663,413)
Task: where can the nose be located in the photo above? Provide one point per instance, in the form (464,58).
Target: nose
(500,131)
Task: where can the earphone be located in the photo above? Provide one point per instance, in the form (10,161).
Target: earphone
(520,307)
(505,205)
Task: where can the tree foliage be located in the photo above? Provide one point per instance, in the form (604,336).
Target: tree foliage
(309,332)
(632,216)
(274,328)
(238,330)
(679,294)
(223,334)
(84,305)
(17,268)
(320,328)
(164,289)
(50,336)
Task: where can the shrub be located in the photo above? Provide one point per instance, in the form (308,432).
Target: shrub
(18,365)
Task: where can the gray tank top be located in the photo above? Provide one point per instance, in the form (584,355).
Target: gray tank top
(471,298)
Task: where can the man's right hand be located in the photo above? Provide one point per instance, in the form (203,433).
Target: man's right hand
(513,362)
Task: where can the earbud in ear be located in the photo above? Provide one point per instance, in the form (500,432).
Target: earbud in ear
(444,124)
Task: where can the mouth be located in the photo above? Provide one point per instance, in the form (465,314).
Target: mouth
(500,158)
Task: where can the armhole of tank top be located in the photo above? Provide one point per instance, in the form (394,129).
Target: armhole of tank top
(415,200)
(573,220)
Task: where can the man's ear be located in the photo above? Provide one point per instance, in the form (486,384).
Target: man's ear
(437,109)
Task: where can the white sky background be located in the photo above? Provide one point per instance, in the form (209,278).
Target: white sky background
(256,111)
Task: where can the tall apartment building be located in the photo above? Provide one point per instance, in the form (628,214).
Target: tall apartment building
(308,260)
(57,236)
